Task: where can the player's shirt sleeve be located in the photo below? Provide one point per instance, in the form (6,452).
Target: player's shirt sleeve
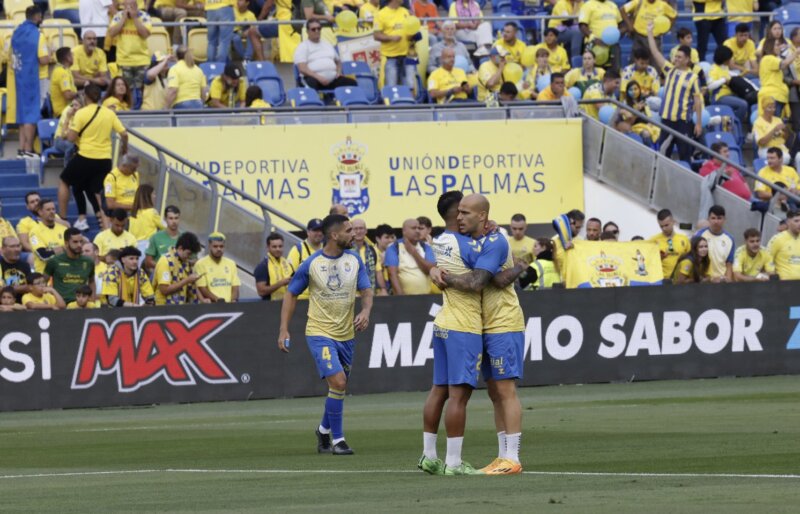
(299,281)
(493,254)
(363,277)
(261,274)
(769,262)
(49,268)
(392,256)
(733,249)
(429,256)
(737,260)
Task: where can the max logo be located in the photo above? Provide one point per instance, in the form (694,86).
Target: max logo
(140,352)
(794,339)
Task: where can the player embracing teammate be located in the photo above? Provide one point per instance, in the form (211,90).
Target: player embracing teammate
(480,328)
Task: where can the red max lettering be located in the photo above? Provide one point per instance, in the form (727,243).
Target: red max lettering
(141,351)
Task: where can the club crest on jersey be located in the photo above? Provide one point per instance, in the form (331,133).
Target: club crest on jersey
(334,282)
(350,176)
(347,267)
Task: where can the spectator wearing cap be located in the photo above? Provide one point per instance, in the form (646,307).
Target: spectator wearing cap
(228,90)
(732,180)
(174,279)
(448,41)
(318,61)
(306,248)
(186,83)
(115,237)
(155,82)
(274,273)
(557,57)
(121,184)
(89,63)
(409,261)
(131,28)
(508,41)
(448,83)
(62,85)
(490,74)
(125,284)
(163,240)
(219,277)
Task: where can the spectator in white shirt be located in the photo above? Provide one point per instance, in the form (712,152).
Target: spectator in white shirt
(318,61)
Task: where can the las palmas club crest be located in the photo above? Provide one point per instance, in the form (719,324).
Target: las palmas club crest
(350,176)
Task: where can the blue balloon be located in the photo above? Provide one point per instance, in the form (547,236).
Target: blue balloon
(605,113)
(575,93)
(462,62)
(542,82)
(661,92)
(610,36)
(705,118)
(753,116)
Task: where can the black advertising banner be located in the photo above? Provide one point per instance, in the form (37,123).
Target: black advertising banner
(229,351)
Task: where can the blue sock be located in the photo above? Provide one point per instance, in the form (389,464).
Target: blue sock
(325,423)
(334,405)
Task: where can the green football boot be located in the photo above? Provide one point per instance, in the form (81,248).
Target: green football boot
(465,468)
(431,466)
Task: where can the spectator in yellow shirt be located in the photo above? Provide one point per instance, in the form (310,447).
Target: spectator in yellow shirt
(642,73)
(119,97)
(144,220)
(368,11)
(594,17)
(448,83)
(752,262)
(490,74)
(187,87)
(744,51)
(555,91)
(241,42)
(599,90)
(389,30)
(62,85)
(254,98)
(42,297)
(229,89)
(521,245)
(89,64)
(132,27)
(768,131)
(83,299)
(512,46)
(638,13)
(785,248)
(570,34)
(121,184)
(219,277)
(557,57)
(774,172)
(116,237)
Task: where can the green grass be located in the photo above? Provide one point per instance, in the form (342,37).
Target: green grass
(681,428)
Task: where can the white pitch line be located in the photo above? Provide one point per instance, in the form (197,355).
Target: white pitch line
(397,471)
(182,426)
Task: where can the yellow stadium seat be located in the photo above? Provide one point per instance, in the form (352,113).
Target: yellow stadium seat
(198,44)
(17,17)
(51,33)
(159,40)
(13,7)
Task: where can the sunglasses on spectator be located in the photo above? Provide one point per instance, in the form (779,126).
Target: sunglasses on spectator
(614,232)
(315,29)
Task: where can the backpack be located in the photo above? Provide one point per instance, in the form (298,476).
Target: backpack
(744,89)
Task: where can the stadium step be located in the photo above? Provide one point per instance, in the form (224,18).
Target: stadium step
(12,166)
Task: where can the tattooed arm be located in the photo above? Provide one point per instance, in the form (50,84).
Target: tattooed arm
(473,281)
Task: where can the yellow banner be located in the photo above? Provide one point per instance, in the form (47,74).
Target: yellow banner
(612,264)
(386,173)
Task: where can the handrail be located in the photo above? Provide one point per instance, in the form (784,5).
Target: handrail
(298,225)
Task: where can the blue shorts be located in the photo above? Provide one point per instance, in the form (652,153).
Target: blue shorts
(503,355)
(456,357)
(331,356)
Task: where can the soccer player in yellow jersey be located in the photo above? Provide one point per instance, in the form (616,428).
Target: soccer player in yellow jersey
(785,248)
(752,262)
(333,275)
(671,244)
(219,277)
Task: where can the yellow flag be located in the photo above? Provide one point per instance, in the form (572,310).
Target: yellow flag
(613,264)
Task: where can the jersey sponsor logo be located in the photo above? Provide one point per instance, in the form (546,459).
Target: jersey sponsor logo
(350,176)
(140,352)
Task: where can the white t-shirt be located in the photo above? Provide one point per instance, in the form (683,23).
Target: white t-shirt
(95,12)
(320,57)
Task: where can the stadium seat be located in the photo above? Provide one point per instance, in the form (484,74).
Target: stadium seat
(758,164)
(198,44)
(789,13)
(727,138)
(370,86)
(67,38)
(47,132)
(212,70)
(685,165)
(636,137)
(576,61)
(258,70)
(347,96)
(12,7)
(272,89)
(356,68)
(398,95)
(726,110)
(159,41)
(304,97)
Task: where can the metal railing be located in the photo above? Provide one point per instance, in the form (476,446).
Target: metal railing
(209,204)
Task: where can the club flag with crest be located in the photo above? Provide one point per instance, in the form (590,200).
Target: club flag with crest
(613,264)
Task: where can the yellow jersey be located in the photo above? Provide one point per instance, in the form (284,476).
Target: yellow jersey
(219,91)
(115,104)
(189,81)
(146,223)
(219,277)
(44,237)
(132,48)
(647,79)
(694,55)
(212,5)
(108,240)
(594,92)
(742,54)
(170,269)
(557,58)
(442,80)
(46,298)
(564,8)
(122,188)
(43,51)
(771,76)
(599,16)
(461,311)
(272,271)
(513,51)
(89,305)
(680,89)
(485,72)
(89,65)
(785,251)
(708,6)
(258,103)
(787,175)
(740,6)
(762,127)
(6,229)
(751,266)
(582,79)
(671,249)
(368,12)
(646,12)
(61,82)
(720,72)
(58,5)
(412,279)
(133,288)
(95,143)
(391,23)
(686,268)
(243,17)
(500,308)
(298,254)
(332,283)
(522,249)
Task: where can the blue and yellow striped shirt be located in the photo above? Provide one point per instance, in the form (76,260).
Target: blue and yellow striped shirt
(680,89)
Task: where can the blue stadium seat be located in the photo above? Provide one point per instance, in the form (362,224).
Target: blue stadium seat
(727,138)
(347,96)
(256,70)
(636,137)
(272,89)
(758,164)
(398,95)
(726,110)
(370,86)
(47,132)
(212,69)
(576,61)
(304,97)
(356,68)
(789,13)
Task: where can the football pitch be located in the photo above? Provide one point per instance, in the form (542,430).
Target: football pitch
(723,445)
